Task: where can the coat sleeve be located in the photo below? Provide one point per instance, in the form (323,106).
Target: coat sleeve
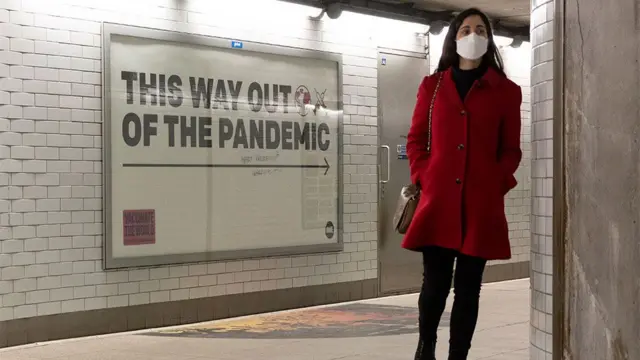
(510,153)
(418,133)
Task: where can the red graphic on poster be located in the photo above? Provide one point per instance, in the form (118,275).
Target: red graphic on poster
(139,227)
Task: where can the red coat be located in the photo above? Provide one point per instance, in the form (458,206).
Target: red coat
(475,151)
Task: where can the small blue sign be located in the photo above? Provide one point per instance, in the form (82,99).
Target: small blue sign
(237,44)
(384,61)
(402,152)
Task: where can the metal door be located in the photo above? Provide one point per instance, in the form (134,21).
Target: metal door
(399,77)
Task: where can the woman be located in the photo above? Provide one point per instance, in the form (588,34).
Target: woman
(463,160)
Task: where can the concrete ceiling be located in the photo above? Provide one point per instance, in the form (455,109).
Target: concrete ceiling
(511,17)
(508,12)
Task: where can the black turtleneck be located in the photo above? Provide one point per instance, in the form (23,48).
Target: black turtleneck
(464,79)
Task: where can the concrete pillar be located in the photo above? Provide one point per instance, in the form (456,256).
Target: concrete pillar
(601,174)
(542,30)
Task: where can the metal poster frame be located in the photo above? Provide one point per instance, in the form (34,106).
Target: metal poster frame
(109,30)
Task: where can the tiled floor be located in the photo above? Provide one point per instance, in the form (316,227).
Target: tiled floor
(377,329)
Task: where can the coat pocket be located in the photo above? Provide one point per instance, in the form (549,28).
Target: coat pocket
(506,181)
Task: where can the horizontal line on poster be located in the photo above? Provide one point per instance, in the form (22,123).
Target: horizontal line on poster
(249,166)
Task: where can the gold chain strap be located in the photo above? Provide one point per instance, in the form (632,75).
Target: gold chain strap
(433,102)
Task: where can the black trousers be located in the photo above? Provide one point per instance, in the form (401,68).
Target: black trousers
(438,273)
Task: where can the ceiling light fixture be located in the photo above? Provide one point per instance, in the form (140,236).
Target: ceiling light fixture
(333,11)
(436,27)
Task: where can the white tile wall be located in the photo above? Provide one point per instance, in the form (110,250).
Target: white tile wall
(542,15)
(517,63)
(50,150)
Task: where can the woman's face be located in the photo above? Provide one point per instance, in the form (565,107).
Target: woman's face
(472,24)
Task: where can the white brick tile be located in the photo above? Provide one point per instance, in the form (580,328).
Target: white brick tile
(12,272)
(139,299)
(58,35)
(72,305)
(11,111)
(46,74)
(9,84)
(71,50)
(24,232)
(22,72)
(150,285)
(10,57)
(5,70)
(117,301)
(37,297)
(24,126)
(107,290)
(159,296)
(179,294)
(82,89)
(21,259)
(34,33)
(15,5)
(59,62)
(60,268)
(11,30)
(10,165)
(95,303)
(22,45)
(59,88)
(6,287)
(91,52)
(25,285)
(5,260)
(81,38)
(47,257)
(300,281)
(91,78)
(14,299)
(38,270)
(34,166)
(6,313)
(95,278)
(71,102)
(25,311)
(10,138)
(49,282)
(73,280)
(49,308)
(22,99)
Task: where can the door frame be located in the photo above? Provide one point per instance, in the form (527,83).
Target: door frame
(379,153)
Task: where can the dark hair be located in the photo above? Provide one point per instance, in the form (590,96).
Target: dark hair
(449,55)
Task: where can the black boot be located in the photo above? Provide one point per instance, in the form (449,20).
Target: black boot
(426,350)
(458,354)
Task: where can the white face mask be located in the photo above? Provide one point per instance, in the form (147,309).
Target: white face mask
(472,46)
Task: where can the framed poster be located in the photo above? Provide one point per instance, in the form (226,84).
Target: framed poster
(218,149)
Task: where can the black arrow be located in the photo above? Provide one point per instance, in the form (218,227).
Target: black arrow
(326,166)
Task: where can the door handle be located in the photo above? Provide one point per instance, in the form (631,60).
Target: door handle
(388,164)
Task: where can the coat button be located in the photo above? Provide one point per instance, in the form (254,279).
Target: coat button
(458,181)
(461,146)
(463,113)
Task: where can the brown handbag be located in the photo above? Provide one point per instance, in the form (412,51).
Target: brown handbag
(410,194)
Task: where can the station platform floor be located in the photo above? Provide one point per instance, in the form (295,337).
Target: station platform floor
(378,329)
